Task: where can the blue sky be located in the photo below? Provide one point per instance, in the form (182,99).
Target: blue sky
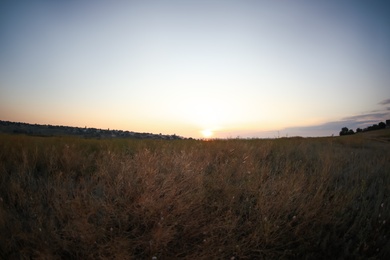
(230,68)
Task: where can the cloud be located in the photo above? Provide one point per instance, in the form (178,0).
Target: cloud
(367,117)
(334,127)
(385,102)
(328,128)
(352,122)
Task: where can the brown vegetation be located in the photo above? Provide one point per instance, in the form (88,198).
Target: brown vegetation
(63,197)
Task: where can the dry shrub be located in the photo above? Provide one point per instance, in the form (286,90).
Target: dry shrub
(65,197)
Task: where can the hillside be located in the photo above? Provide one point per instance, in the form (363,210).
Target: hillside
(87,132)
(382,135)
(377,137)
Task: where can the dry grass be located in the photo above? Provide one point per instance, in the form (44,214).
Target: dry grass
(129,199)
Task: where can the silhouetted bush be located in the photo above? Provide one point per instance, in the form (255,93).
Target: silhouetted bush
(346,131)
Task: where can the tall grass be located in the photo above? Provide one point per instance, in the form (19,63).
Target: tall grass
(137,199)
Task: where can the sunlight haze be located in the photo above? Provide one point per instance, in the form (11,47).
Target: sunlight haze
(196,68)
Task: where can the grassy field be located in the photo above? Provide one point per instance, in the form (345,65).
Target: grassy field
(287,198)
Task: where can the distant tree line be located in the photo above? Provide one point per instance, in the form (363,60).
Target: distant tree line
(346,131)
(53,130)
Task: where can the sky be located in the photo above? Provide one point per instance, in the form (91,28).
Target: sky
(217,69)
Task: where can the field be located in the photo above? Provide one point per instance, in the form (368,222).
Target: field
(287,198)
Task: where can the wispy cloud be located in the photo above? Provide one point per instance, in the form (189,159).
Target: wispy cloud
(362,120)
(385,102)
(367,117)
(334,127)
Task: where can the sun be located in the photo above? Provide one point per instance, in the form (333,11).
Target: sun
(207,133)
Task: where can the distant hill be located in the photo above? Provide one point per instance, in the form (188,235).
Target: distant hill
(374,127)
(55,130)
(382,135)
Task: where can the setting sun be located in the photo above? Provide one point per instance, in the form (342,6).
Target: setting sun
(207,133)
(198,69)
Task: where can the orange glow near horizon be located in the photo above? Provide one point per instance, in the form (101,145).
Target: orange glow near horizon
(196,69)
(207,133)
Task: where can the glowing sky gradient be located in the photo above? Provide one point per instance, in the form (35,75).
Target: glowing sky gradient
(230,68)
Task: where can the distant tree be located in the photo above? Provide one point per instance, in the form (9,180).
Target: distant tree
(380,125)
(358,130)
(344,131)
